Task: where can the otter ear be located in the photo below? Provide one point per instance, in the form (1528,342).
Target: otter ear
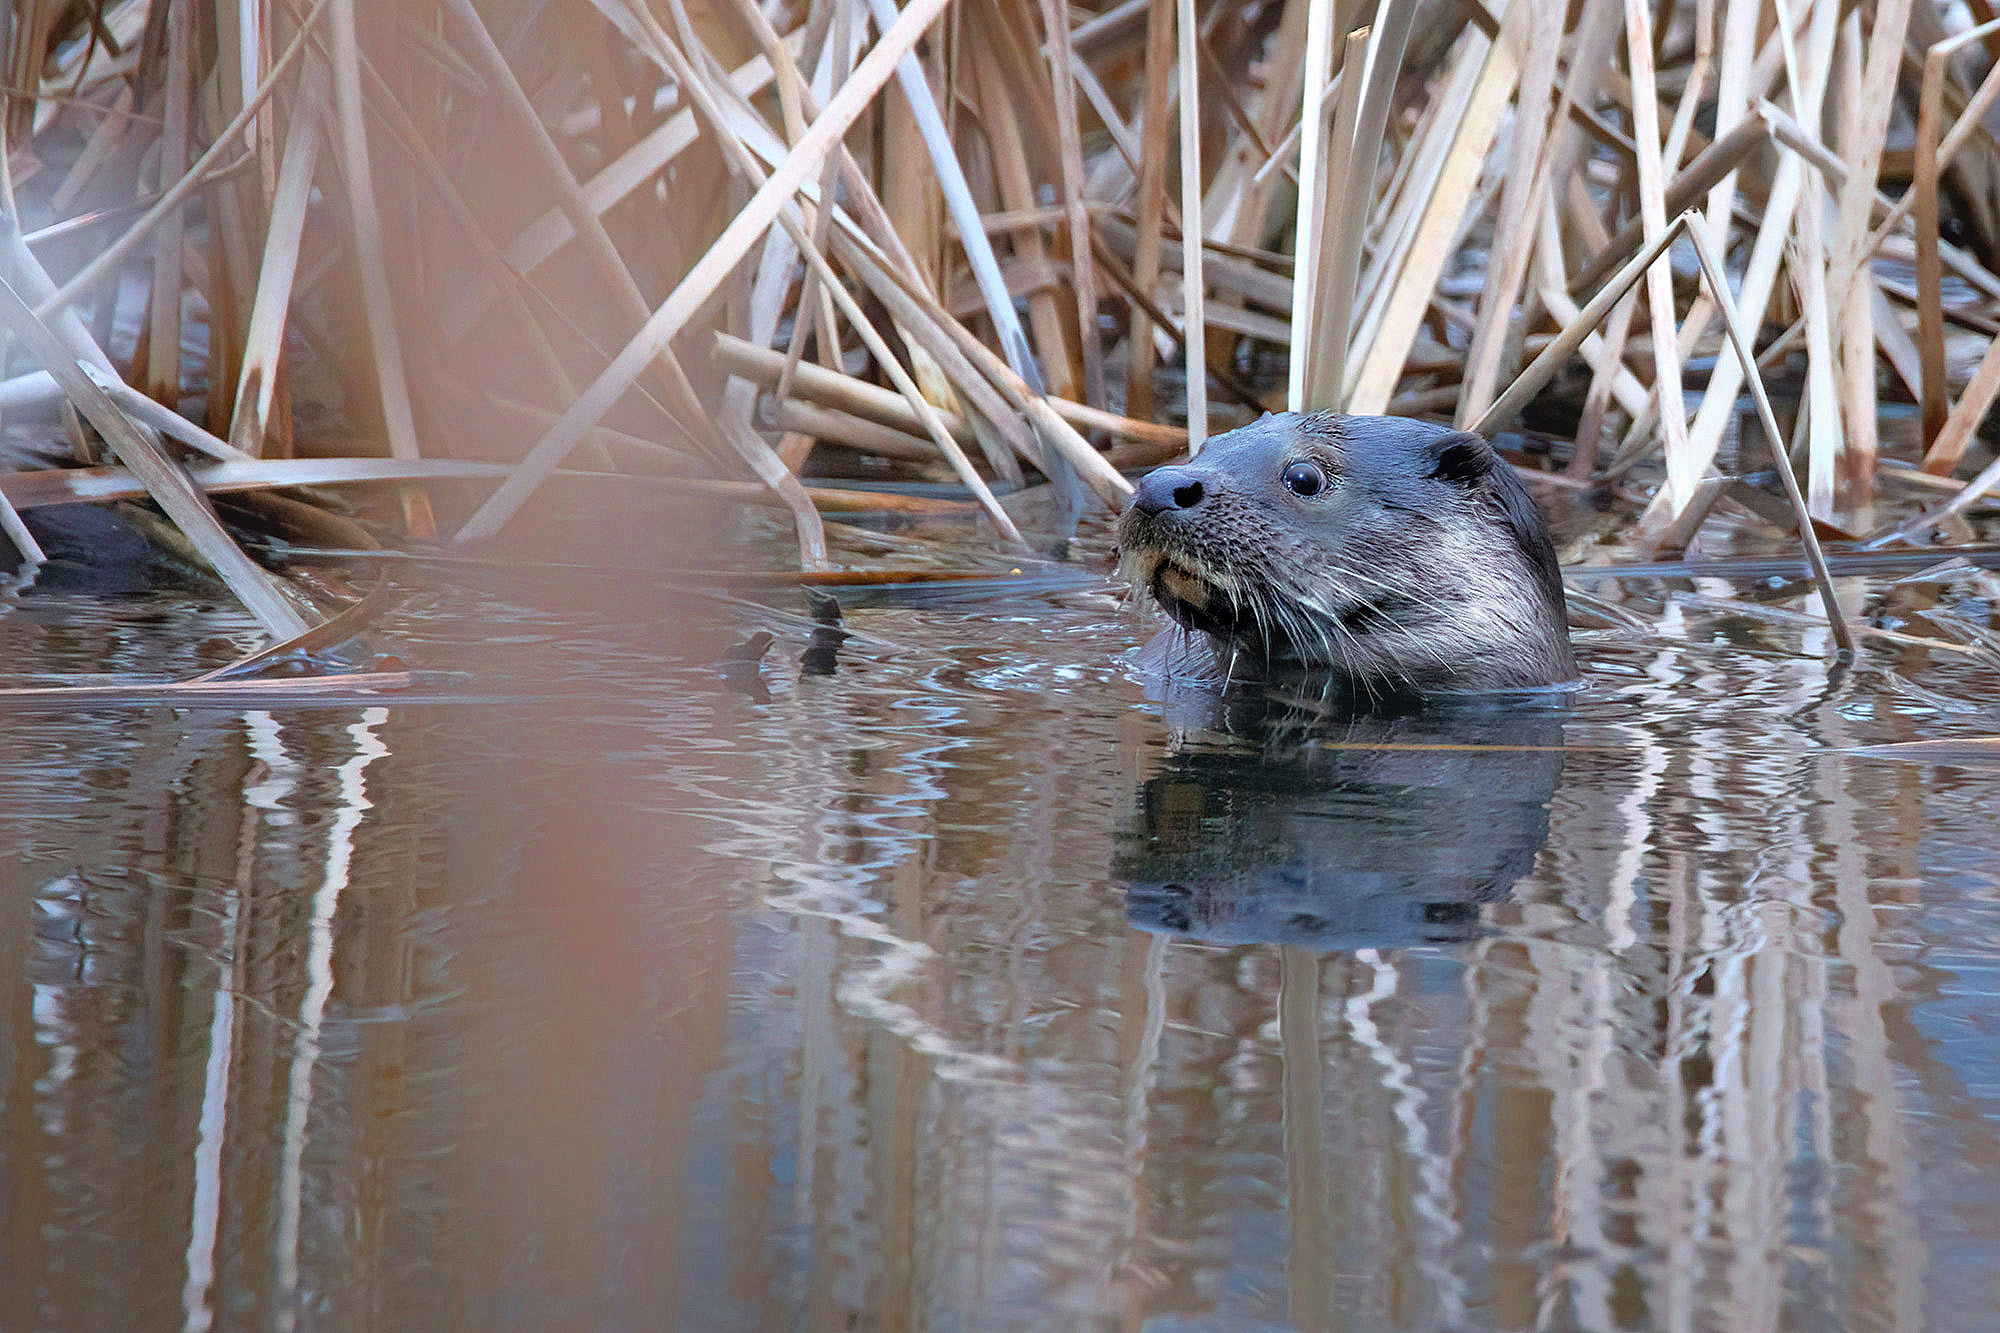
(1461,457)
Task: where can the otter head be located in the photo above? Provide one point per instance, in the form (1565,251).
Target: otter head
(1401,556)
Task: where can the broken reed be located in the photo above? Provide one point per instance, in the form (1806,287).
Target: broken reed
(744,250)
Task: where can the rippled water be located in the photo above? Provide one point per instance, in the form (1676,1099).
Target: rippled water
(950,981)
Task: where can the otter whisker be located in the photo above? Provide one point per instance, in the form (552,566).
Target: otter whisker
(1415,638)
(1343,642)
(1321,625)
(1235,641)
(1408,591)
(1413,634)
(1264,613)
(1334,648)
(1389,669)
(1289,622)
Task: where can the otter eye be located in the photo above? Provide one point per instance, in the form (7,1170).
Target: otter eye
(1303,479)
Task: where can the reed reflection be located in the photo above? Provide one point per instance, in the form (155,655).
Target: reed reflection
(661,1004)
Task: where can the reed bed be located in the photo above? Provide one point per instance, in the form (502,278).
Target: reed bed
(838,258)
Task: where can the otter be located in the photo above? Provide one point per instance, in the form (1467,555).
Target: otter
(1401,558)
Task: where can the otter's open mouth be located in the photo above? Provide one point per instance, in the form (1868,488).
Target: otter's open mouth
(1194,598)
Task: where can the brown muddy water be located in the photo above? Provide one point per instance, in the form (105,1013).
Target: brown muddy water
(940,978)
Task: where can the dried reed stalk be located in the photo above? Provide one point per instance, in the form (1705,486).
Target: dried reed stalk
(709,271)
(167,485)
(905,273)
(1194,293)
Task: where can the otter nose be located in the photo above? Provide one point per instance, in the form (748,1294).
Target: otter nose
(1168,488)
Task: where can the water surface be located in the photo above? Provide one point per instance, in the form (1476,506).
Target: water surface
(938,977)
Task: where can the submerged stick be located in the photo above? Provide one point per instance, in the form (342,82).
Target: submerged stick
(306,691)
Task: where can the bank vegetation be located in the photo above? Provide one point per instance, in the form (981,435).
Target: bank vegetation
(946,267)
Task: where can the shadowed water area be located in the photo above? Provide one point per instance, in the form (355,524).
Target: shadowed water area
(933,975)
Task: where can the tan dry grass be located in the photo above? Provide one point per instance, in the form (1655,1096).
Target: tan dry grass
(513,231)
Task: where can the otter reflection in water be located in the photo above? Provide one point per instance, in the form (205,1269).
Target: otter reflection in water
(1367,831)
(1399,556)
